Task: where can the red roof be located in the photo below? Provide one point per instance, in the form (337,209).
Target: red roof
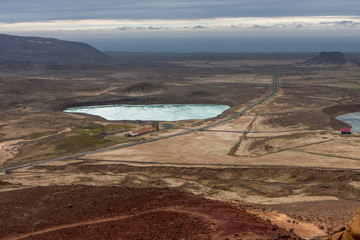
(142,131)
(345,130)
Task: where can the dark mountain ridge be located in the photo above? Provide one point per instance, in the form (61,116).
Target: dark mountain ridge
(332,58)
(48,50)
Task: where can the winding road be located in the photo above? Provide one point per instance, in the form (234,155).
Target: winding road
(238,114)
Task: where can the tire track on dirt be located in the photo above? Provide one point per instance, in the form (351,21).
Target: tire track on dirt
(235,148)
(328,155)
(112,219)
(287,149)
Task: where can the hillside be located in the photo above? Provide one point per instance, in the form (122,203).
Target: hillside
(332,58)
(48,50)
(110,212)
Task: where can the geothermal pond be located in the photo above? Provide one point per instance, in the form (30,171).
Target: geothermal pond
(173,112)
(353,119)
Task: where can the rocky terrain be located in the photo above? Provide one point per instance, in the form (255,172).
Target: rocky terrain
(283,161)
(85,212)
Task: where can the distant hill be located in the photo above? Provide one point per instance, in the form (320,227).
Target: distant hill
(48,50)
(332,58)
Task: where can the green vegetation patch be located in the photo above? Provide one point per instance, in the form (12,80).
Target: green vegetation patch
(95,129)
(91,136)
(77,143)
(116,138)
(117,127)
(81,139)
(39,135)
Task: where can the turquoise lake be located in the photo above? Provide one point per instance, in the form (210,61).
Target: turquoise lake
(353,119)
(171,112)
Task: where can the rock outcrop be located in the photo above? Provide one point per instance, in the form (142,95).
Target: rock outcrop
(48,50)
(331,58)
(350,232)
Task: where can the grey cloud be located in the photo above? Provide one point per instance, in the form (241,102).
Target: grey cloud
(347,23)
(341,23)
(235,26)
(198,27)
(256,26)
(124,28)
(46,10)
(154,28)
(279,26)
(140,28)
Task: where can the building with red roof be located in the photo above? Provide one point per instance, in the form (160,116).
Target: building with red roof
(140,131)
(345,131)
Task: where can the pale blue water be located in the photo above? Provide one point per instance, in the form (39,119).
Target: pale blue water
(172,112)
(353,119)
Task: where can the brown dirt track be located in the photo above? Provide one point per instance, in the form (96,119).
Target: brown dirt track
(85,212)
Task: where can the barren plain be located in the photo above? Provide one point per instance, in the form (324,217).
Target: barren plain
(283,160)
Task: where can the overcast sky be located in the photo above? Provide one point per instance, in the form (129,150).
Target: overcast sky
(119,21)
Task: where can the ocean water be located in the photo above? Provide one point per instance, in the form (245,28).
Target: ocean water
(224,43)
(353,119)
(172,112)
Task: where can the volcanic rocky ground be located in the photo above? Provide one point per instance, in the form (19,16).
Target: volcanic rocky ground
(283,161)
(85,212)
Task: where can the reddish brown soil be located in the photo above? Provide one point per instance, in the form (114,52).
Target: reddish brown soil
(87,212)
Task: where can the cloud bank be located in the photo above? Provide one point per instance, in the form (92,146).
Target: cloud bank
(50,10)
(104,21)
(254,24)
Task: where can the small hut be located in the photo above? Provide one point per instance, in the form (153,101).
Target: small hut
(345,131)
(140,132)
